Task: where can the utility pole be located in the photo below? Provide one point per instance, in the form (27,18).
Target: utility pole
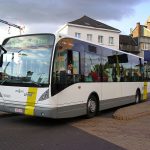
(13,25)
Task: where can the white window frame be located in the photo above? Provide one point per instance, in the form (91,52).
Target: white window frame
(111,40)
(89,37)
(100,39)
(77,35)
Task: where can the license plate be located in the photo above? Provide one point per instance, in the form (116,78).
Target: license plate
(18,110)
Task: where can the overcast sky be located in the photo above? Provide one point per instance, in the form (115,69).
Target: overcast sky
(49,15)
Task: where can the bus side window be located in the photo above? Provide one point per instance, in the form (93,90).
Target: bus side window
(66,69)
(92,67)
(73,64)
(76,66)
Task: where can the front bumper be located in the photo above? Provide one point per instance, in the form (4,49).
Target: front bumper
(37,111)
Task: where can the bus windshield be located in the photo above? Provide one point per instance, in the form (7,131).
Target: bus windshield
(27,61)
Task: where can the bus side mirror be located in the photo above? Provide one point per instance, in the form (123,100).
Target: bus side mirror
(2,49)
(1,54)
(1,60)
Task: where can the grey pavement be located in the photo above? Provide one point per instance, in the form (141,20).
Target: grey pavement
(131,134)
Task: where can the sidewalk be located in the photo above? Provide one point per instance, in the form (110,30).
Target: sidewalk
(133,111)
(128,133)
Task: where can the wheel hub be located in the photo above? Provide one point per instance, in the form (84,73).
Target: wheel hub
(92,105)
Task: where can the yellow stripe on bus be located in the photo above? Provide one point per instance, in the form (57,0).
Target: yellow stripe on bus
(145,96)
(31,100)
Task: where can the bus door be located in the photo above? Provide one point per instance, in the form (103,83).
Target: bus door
(66,70)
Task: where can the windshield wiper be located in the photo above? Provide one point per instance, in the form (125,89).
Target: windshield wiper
(5,81)
(36,83)
(32,82)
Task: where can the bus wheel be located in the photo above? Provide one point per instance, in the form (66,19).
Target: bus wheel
(92,106)
(138,96)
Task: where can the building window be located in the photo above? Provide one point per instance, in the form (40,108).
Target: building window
(77,35)
(146,46)
(89,37)
(111,40)
(100,39)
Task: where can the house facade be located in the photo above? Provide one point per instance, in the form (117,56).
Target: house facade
(142,34)
(91,30)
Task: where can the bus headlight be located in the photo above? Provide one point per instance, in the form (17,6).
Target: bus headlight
(44,96)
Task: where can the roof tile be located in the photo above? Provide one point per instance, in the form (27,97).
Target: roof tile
(87,21)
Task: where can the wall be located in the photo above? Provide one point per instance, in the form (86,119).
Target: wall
(63,30)
(84,31)
(137,31)
(146,32)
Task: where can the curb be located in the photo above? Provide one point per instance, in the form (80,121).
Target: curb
(132,112)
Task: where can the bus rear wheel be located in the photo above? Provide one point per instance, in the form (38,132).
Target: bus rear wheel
(92,106)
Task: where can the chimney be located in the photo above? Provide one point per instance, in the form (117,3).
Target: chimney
(138,26)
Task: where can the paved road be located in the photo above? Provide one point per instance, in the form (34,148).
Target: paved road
(29,133)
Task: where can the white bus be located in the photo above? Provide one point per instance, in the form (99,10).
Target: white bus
(58,77)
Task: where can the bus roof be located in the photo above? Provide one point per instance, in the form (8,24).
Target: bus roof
(60,36)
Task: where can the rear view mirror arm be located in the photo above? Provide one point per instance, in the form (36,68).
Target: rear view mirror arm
(3,49)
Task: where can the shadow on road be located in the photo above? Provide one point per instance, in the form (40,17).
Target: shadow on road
(6,115)
(44,122)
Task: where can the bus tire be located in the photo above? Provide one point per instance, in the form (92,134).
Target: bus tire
(138,96)
(92,106)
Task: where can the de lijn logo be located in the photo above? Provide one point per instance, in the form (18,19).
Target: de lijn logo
(24,93)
